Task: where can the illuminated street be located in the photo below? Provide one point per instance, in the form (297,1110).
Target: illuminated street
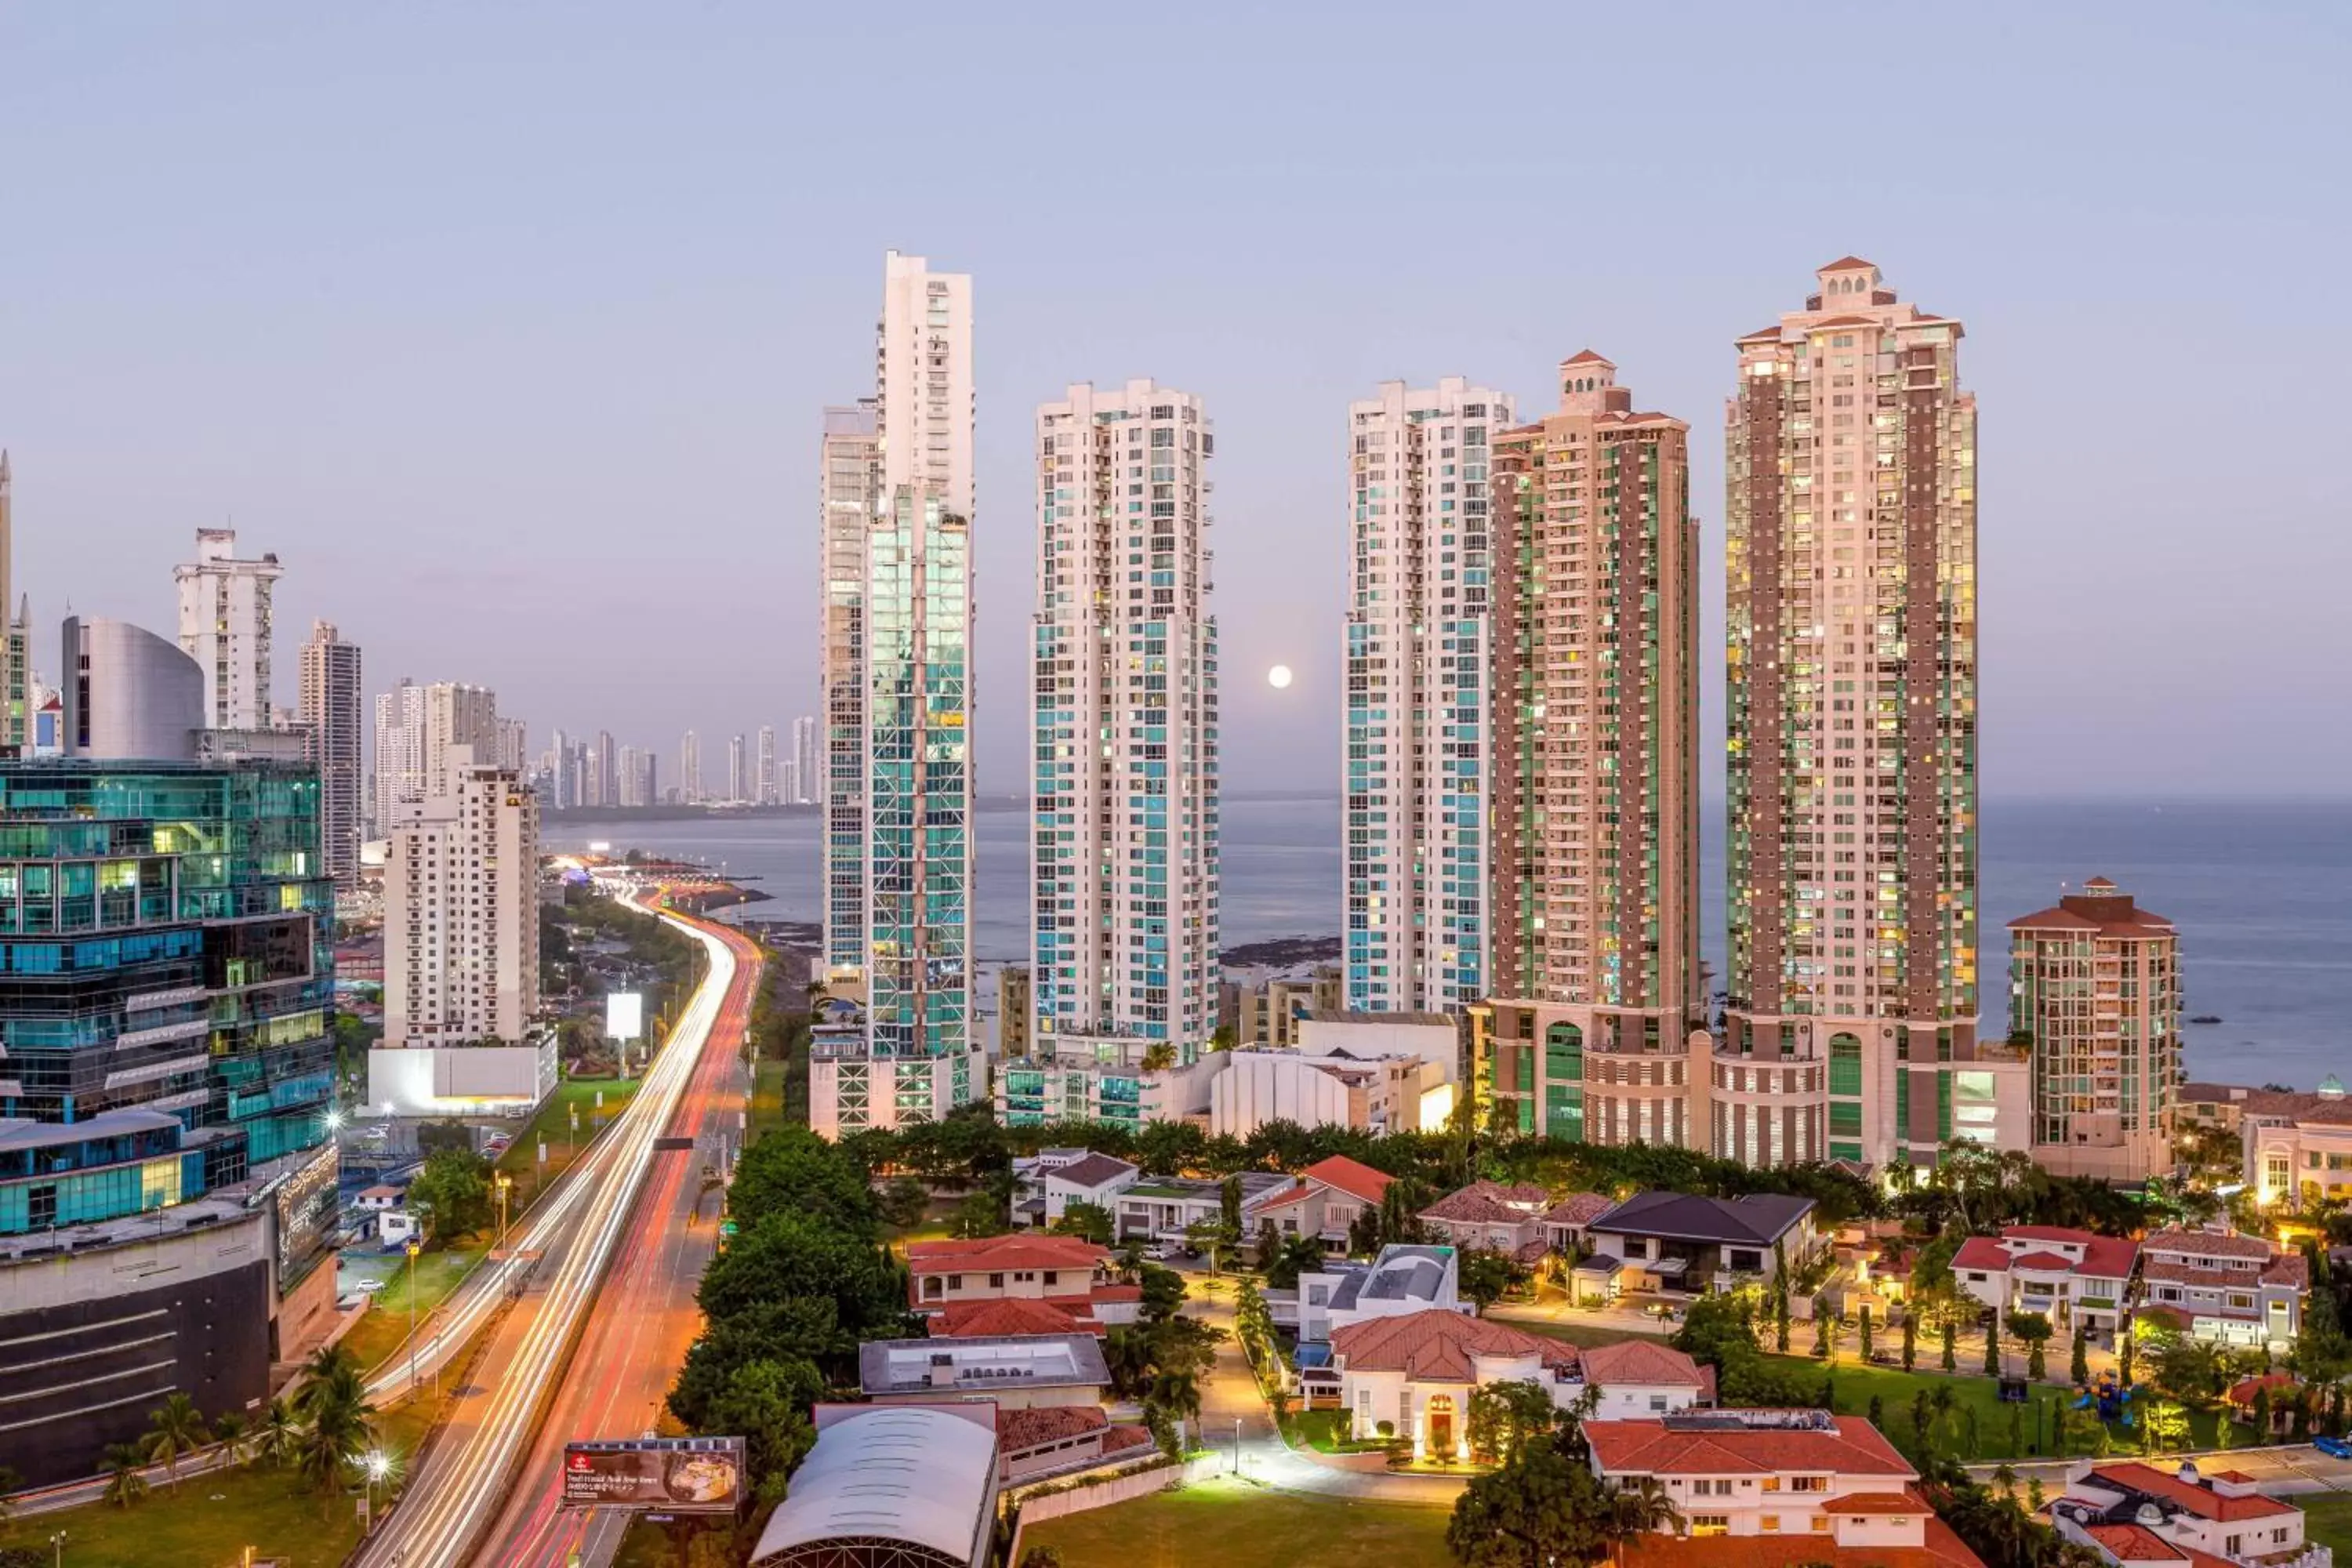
(553,1271)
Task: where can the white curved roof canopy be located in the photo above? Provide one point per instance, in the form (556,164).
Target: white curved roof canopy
(908,1474)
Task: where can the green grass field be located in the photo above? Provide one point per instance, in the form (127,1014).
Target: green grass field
(207,1524)
(384,1329)
(1230,1521)
(767,1098)
(2327,1519)
(1577,1333)
(552,1123)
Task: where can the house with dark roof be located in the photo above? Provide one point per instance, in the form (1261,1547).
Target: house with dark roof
(2220,1285)
(1098,1179)
(2141,1513)
(1788,1487)
(1683,1244)
(2073,1276)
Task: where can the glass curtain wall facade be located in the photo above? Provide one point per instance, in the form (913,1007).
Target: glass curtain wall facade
(166,984)
(847,516)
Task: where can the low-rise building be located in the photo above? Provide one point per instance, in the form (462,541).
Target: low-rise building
(1679,1243)
(1062,1271)
(1165,1208)
(1791,1485)
(1411,1375)
(1063,1439)
(1017,1371)
(1270,1011)
(1098,1179)
(2216,1285)
(2299,1146)
(2138,1514)
(2071,1275)
(1505,1219)
(1325,1201)
(1568,1223)
(1402,1280)
(902,1485)
(1372,1093)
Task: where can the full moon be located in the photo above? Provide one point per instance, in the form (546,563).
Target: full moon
(1278,676)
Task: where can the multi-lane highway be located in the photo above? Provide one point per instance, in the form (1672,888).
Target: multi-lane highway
(549,1284)
(645,1317)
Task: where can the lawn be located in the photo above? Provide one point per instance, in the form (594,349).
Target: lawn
(384,1329)
(1856,1383)
(2328,1520)
(554,1123)
(1230,1521)
(1577,1333)
(767,1098)
(207,1523)
(1325,1431)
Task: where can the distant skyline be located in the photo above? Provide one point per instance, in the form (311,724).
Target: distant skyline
(510,333)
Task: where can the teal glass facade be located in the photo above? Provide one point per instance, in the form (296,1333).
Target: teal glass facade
(919,788)
(167,981)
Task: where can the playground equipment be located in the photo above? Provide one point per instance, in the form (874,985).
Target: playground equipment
(2109,1395)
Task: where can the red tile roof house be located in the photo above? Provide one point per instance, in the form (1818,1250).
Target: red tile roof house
(1792,1487)
(1062,1271)
(2213,1285)
(1417,1371)
(1062,1440)
(2071,1275)
(1323,1202)
(1508,1220)
(2137,1513)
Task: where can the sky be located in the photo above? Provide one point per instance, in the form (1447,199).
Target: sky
(508,328)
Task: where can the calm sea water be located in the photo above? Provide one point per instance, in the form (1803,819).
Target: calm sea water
(2262,891)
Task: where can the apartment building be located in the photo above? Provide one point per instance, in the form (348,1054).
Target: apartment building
(1851,702)
(1419,570)
(1272,1009)
(226,627)
(461,950)
(849,460)
(2094,995)
(1123,965)
(332,698)
(1595,991)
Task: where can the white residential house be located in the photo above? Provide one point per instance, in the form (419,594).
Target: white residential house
(1098,1179)
(2138,1514)
(1165,1208)
(1402,1280)
(1681,1243)
(2071,1274)
(1414,1373)
(1324,1202)
(2214,1285)
(1504,1219)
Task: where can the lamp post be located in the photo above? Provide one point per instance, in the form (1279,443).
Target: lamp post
(506,1182)
(1237,1445)
(414,1246)
(57,1541)
(377,1465)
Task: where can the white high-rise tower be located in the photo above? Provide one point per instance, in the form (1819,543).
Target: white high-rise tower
(224,626)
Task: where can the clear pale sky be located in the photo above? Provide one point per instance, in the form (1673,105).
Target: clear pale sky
(508,327)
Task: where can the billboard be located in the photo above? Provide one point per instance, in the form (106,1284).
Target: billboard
(660,1475)
(625,1015)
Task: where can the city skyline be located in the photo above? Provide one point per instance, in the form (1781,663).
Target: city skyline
(1274,341)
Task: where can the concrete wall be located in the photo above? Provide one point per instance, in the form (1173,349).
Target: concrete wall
(455,1080)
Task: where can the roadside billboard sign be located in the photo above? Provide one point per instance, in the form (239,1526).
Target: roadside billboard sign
(625,1015)
(669,1474)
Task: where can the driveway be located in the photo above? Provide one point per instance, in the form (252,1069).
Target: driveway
(1236,1423)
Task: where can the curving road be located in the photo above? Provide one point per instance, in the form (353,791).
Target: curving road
(548,1284)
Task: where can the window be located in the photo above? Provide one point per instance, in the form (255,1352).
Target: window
(1709,1524)
(1768,1524)
(1820,1524)
(1657,1403)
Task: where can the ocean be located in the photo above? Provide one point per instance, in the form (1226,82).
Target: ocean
(2261,891)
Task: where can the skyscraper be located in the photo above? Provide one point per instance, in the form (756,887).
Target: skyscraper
(332,696)
(852,478)
(16,677)
(1124,978)
(689,769)
(916,1060)
(1595,988)
(416,728)
(225,626)
(1852,862)
(739,782)
(767,787)
(604,766)
(807,759)
(1417,645)
(632,778)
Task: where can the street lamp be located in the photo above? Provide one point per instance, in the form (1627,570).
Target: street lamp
(1237,1445)
(506,1182)
(378,1464)
(414,1246)
(58,1541)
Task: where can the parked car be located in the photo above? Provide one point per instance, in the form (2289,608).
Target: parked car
(1157,1254)
(2333,1448)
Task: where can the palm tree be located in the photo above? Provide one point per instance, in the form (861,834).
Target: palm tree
(12,1481)
(277,1433)
(329,1364)
(1639,1508)
(124,1484)
(179,1430)
(234,1433)
(1179,1392)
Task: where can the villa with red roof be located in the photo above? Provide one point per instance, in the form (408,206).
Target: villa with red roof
(1063,1272)
(1414,1373)
(1327,1199)
(2139,1514)
(1505,1219)
(2215,1285)
(2071,1275)
(1794,1487)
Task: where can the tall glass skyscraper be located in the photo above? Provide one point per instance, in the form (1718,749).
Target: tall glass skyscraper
(166,982)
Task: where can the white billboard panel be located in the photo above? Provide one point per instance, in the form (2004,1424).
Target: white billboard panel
(625,1015)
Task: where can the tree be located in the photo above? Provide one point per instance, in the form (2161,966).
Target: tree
(1878,1411)
(177,1429)
(1910,1339)
(1541,1510)
(978,1215)
(2188,1369)
(1041,1557)
(1091,1221)
(2031,1329)
(1163,1292)
(274,1436)
(234,1434)
(2079,1368)
(1127,1355)
(431,1137)
(1178,1391)
(1229,1202)
(1951,1336)
(1505,1415)
(1487,1274)
(12,1481)
(1294,1255)
(2124,1346)
(2168,1424)
(124,1484)
(1992,1347)
(1862,1320)
(766,1402)
(453,1193)
(1824,1330)
(902,1204)
(1780,1313)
